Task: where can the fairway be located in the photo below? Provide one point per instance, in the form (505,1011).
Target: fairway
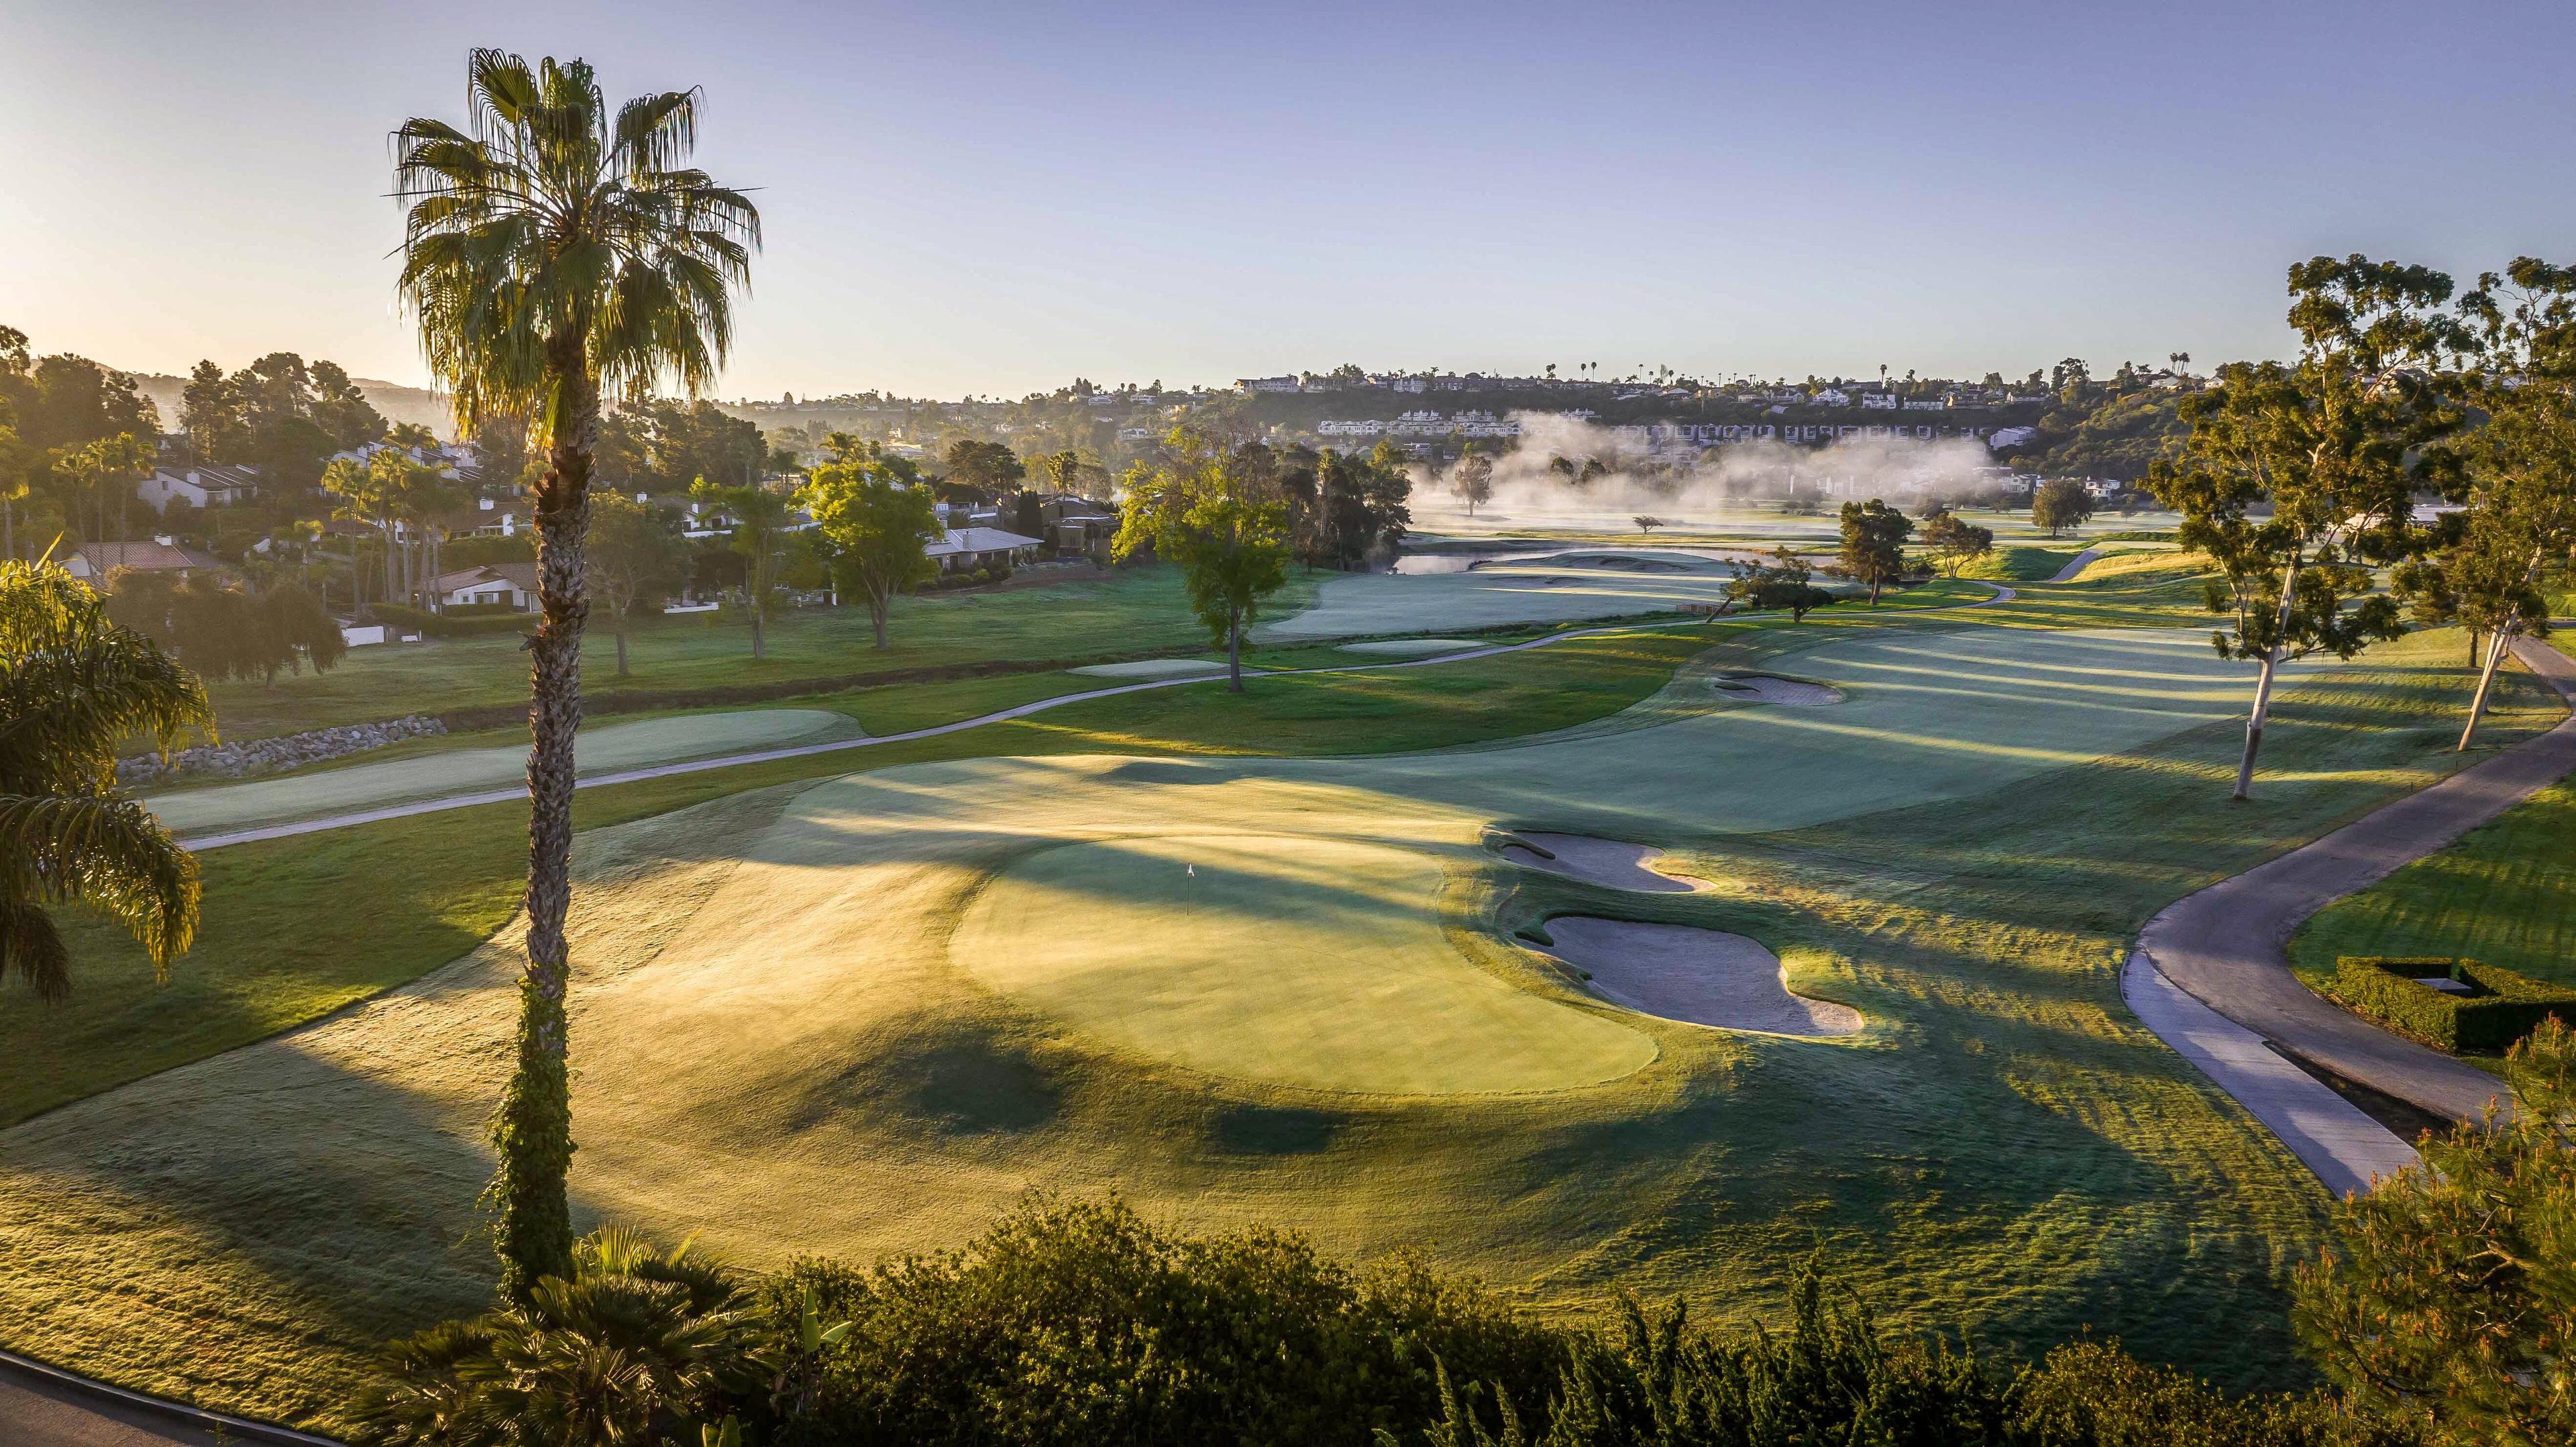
(1296,961)
(606,749)
(1563,589)
(1152,668)
(867,1013)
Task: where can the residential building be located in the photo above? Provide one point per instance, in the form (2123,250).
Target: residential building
(511,584)
(961,550)
(92,562)
(202,485)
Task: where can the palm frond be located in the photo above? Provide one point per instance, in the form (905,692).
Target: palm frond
(107,853)
(32,949)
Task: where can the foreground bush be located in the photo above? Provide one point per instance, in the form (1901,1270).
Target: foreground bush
(2450,1301)
(1084,1324)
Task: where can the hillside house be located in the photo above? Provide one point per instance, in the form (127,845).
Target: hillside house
(201,485)
(960,550)
(92,562)
(513,585)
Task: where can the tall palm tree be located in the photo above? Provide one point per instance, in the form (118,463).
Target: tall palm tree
(74,686)
(556,254)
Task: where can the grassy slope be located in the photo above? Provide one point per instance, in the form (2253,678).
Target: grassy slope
(295,928)
(2505,894)
(1138,611)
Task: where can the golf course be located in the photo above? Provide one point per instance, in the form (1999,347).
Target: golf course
(1652,956)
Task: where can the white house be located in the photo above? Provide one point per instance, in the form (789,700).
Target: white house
(512,584)
(206,485)
(1878,401)
(1836,397)
(959,549)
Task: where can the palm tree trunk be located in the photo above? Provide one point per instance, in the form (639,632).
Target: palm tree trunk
(533,1129)
(621,645)
(2486,680)
(754,596)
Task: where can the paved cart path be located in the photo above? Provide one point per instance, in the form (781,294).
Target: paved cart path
(2225,947)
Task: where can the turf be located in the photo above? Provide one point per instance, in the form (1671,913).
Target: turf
(2504,894)
(777,1041)
(1153,668)
(1142,610)
(600,749)
(1286,960)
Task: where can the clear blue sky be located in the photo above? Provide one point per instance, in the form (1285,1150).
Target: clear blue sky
(995,198)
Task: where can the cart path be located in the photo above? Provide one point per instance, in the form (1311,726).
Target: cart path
(45,1406)
(2075,565)
(2225,948)
(2001,594)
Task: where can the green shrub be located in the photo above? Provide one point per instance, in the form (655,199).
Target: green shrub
(450,625)
(2505,1007)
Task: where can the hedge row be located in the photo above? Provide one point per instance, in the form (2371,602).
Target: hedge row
(449,625)
(2505,1007)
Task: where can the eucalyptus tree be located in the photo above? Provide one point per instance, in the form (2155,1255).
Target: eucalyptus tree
(2521,519)
(878,529)
(2336,445)
(556,253)
(75,687)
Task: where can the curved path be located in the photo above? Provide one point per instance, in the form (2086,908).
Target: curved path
(2075,565)
(2224,947)
(2001,594)
(45,1406)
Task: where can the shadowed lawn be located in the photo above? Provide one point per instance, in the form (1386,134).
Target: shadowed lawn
(776,1042)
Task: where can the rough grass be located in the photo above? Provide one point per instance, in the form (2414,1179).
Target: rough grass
(2020,564)
(2504,894)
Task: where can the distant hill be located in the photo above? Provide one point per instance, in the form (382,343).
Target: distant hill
(399,403)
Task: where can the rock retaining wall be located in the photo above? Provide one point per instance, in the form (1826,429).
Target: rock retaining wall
(261,756)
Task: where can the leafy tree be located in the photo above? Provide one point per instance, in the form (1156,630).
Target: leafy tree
(1200,512)
(1359,504)
(635,561)
(1647,522)
(760,536)
(879,530)
(1782,580)
(75,687)
(17,459)
(2060,504)
(982,471)
(555,254)
(2337,444)
(2449,1297)
(2521,519)
(1873,544)
(1956,542)
(1473,480)
(107,467)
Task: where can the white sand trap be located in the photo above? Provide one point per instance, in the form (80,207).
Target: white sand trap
(1410,647)
(1605,862)
(1763,688)
(1701,976)
(1152,668)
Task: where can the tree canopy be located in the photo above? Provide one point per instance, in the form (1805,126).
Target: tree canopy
(877,527)
(1205,511)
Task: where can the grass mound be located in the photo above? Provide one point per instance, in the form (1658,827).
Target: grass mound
(1310,962)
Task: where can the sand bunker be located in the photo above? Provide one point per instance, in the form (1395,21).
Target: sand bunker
(1606,862)
(1410,647)
(1151,668)
(1763,688)
(1702,977)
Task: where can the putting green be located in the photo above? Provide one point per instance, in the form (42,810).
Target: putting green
(1297,961)
(1539,590)
(1152,668)
(607,749)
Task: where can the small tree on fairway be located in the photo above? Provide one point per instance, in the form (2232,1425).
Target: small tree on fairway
(635,561)
(1474,480)
(1646,523)
(1781,580)
(1955,542)
(1202,512)
(760,535)
(2061,503)
(879,531)
(2448,1299)
(557,253)
(1873,545)
(2337,444)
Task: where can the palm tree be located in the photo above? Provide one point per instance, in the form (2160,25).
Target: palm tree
(556,254)
(73,687)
